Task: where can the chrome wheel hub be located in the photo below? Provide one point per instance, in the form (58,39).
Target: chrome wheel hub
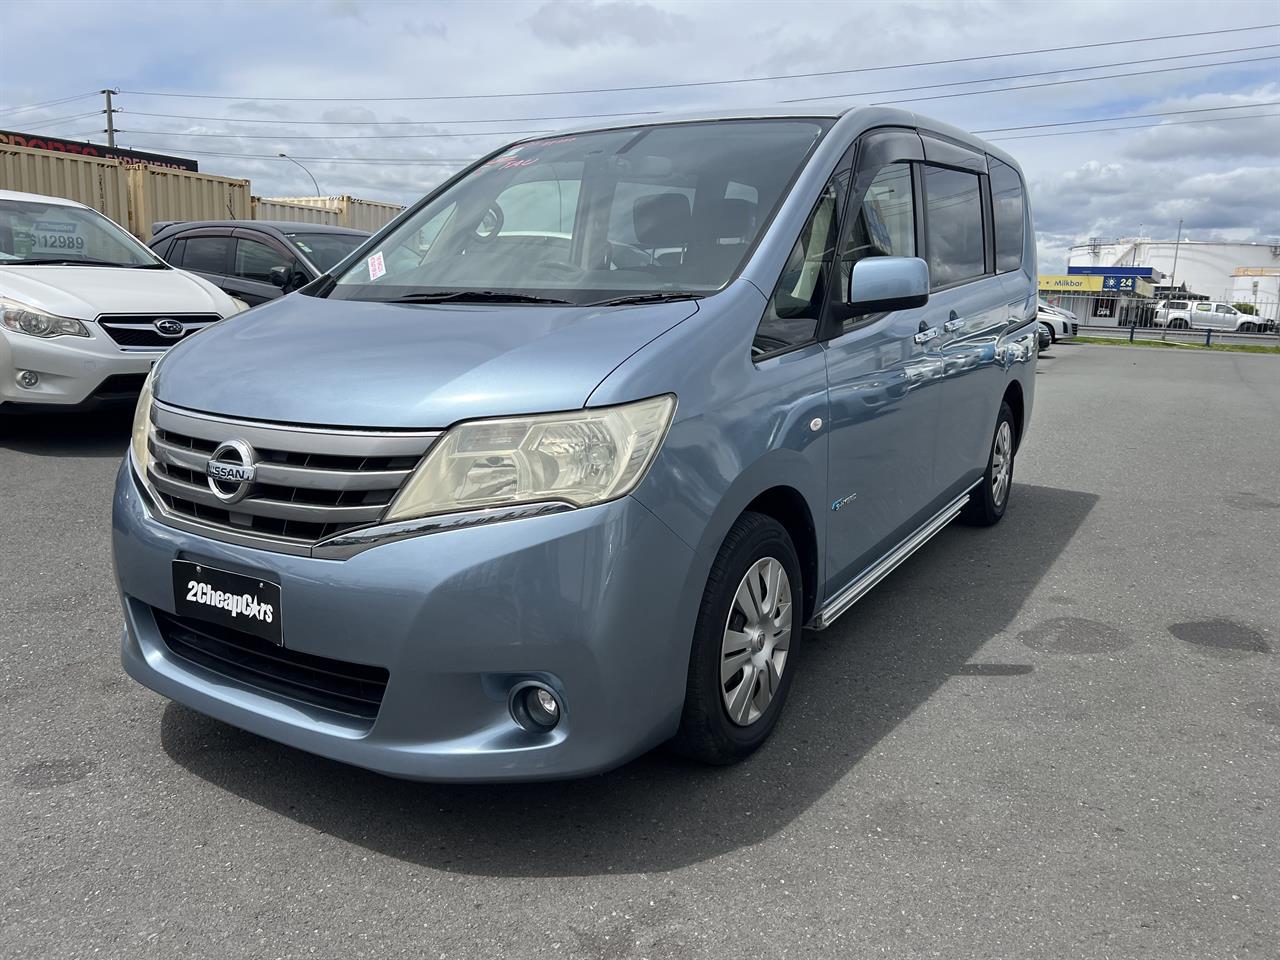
(1001,463)
(757,636)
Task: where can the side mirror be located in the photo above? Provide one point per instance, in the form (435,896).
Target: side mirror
(880,284)
(281,277)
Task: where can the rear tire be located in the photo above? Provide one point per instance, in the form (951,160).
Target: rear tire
(744,644)
(988,500)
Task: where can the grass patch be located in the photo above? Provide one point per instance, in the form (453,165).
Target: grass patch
(1176,345)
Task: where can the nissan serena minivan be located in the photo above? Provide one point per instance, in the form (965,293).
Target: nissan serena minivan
(558,466)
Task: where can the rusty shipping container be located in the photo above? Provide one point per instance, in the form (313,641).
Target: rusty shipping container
(288,210)
(352,212)
(97,183)
(157,194)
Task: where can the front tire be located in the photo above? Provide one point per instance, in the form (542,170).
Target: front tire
(742,660)
(988,500)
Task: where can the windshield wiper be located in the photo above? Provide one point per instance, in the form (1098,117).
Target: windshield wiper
(473,296)
(657,297)
(66,262)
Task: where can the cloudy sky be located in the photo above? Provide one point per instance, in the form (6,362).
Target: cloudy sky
(389,97)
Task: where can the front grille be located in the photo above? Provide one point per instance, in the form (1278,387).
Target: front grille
(309,484)
(1075,329)
(139,330)
(354,690)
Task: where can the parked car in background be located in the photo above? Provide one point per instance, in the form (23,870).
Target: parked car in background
(1061,324)
(568,478)
(85,308)
(1207,315)
(255,260)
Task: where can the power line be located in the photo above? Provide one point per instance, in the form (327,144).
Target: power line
(711,83)
(47,103)
(321,136)
(515,133)
(1135,126)
(1130,116)
(869,93)
(1024,76)
(411,161)
(1062,83)
(77,116)
(389,123)
(272,156)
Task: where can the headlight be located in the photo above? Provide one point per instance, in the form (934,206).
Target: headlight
(21,318)
(142,427)
(580,458)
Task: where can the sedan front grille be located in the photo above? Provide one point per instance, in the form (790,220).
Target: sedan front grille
(140,330)
(309,484)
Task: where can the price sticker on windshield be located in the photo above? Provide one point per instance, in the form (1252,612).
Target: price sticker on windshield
(56,235)
(376,266)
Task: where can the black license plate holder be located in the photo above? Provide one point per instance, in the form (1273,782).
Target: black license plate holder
(233,600)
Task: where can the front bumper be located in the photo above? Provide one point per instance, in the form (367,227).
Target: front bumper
(74,371)
(592,602)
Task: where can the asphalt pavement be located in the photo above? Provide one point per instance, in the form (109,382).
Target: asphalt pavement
(1056,738)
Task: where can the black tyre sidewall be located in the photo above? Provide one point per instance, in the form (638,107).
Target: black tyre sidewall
(705,729)
(982,510)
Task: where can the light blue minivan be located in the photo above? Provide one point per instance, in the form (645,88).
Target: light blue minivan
(556,467)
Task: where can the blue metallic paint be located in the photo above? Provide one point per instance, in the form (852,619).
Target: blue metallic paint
(351,363)
(599,603)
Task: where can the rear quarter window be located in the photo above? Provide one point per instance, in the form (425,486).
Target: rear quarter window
(1009,209)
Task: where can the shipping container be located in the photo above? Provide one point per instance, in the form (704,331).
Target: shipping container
(287,210)
(101,184)
(157,193)
(352,212)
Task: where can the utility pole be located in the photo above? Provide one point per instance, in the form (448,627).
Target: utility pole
(111,122)
(1173,277)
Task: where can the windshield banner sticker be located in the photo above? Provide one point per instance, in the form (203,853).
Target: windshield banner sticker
(376,267)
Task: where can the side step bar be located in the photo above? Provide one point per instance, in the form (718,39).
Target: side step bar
(863,583)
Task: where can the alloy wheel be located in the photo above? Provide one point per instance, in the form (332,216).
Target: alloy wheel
(1001,463)
(757,636)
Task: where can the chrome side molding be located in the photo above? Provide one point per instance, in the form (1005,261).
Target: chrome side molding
(862,584)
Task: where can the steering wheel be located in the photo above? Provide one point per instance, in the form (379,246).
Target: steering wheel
(490,224)
(633,256)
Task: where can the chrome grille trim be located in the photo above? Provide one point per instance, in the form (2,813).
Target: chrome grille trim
(265,507)
(137,332)
(310,484)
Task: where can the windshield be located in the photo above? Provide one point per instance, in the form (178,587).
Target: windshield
(326,249)
(32,232)
(658,211)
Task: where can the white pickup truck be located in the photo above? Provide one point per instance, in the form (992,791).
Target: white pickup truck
(1207,315)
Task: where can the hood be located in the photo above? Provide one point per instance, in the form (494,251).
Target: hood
(348,363)
(86,292)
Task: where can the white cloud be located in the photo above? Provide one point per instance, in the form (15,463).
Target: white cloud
(1216,176)
(605,22)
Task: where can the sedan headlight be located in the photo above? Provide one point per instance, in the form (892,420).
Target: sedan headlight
(579,458)
(21,318)
(142,427)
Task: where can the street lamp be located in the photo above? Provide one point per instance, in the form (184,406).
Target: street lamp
(304,170)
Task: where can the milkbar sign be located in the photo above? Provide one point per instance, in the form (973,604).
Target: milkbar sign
(1074,283)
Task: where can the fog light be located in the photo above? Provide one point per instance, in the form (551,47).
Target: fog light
(535,707)
(28,378)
